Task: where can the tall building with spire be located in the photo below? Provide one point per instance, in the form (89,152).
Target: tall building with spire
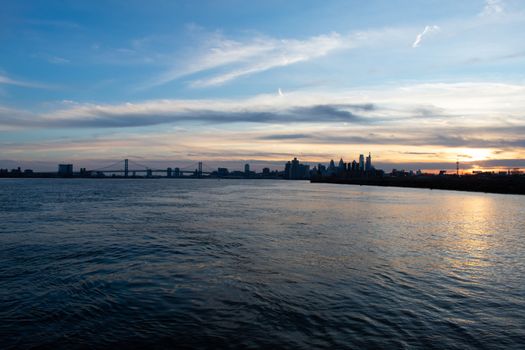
(361,162)
(368,164)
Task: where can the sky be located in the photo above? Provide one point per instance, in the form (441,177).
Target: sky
(419,84)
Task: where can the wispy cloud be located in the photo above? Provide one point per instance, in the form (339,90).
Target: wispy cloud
(58,60)
(492,7)
(54,59)
(15,82)
(237,58)
(426,31)
(204,59)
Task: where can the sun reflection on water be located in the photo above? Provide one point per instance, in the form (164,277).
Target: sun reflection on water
(470,241)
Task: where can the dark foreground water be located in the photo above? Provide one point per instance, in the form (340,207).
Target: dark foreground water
(251,264)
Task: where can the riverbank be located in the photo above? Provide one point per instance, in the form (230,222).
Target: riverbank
(496,184)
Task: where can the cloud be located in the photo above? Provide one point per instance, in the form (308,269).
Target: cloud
(58,60)
(446,119)
(421,153)
(492,7)
(284,137)
(51,58)
(9,81)
(174,111)
(238,58)
(399,137)
(430,105)
(157,112)
(10,117)
(323,113)
(426,31)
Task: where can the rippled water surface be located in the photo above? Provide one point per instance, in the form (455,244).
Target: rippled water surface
(242,263)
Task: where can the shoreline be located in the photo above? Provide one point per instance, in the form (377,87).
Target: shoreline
(140,177)
(501,185)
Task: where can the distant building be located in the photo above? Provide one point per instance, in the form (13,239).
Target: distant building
(247,168)
(342,165)
(287,170)
(222,172)
(368,163)
(169,172)
(65,169)
(266,171)
(314,172)
(294,170)
(399,173)
(361,162)
(331,170)
(16,171)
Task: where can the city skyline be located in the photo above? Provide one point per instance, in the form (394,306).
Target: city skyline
(418,85)
(259,165)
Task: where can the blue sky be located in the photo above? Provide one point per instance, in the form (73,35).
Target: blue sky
(411,81)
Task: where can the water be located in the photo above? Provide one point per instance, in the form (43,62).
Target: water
(251,264)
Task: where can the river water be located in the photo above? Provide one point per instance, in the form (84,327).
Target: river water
(254,263)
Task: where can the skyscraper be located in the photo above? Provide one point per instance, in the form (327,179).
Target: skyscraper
(342,164)
(368,165)
(294,170)
(361,162)
(331,167)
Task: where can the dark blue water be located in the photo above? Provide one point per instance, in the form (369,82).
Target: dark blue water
(253,264)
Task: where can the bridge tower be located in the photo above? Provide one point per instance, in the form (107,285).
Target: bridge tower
(200,169)
(126,168)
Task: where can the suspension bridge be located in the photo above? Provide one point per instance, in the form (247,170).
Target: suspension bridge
(130,168)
